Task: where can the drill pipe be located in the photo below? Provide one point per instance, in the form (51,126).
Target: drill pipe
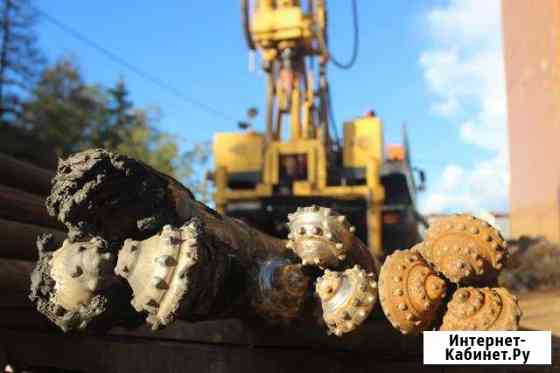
(238,270)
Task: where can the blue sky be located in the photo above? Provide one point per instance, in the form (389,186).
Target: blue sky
(419,63)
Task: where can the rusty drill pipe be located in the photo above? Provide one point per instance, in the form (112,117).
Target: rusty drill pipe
(183,273)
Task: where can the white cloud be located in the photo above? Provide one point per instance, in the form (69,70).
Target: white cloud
(476,190)
(464,71)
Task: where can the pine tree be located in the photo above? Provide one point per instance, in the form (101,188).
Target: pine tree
(20,60)
(121,116)
(62,110)
(71,115)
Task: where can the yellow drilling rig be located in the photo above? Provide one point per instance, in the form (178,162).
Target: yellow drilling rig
(261,177)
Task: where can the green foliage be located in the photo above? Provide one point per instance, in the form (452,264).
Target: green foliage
(20,60)
(71,115)
(63,111)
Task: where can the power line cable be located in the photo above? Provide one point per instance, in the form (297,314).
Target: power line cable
(356,44)
(331,118)
(141,73)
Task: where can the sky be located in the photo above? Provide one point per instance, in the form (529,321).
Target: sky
(435,65)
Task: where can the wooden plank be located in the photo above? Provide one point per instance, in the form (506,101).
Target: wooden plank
(25,176)
(239,333)
(14,283)
(23,207)
(111,354)
(19,239)
(258,346)
(258,333)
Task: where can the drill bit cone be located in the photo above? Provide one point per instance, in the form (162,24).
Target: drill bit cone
(160,270)
(482,309)
(347,298)
(321,237)
(465,249)
(74,286)
(410,291)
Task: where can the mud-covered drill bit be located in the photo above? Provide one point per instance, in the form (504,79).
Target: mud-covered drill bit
(74,285)
(181,258)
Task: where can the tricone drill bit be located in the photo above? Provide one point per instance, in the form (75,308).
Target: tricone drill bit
(463,250)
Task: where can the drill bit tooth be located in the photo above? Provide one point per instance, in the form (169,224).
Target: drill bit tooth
(159,283)
(93,284)
(77,272)
(166,260)
(152,303)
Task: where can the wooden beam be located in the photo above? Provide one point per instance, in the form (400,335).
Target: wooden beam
(19,239)
(25,176)
(109,354)
(24,207)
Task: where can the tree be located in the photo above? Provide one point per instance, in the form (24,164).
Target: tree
(63,111)
(19,57)
(71,115)
(119,119)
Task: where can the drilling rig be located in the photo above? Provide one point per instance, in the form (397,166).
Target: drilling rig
(299,159)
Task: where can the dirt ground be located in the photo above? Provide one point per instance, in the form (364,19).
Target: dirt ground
(541,311)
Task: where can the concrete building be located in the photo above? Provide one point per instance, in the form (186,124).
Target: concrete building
(531,35)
